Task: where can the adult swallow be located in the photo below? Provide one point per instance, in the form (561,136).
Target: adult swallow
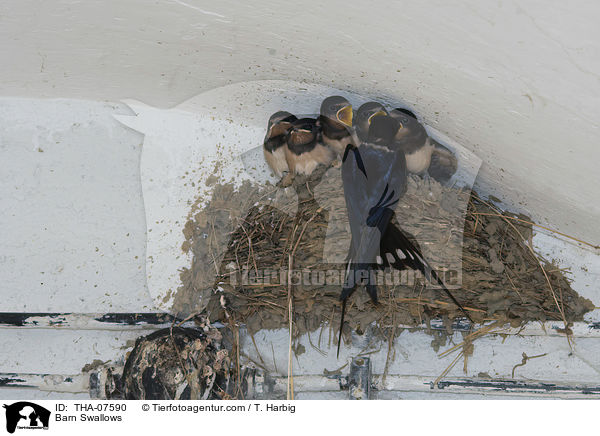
(275,141)
(374,178)
(364,116)
(335,120)
(413,140)
(305,150)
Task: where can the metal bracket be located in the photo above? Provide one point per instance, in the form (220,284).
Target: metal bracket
(359,380)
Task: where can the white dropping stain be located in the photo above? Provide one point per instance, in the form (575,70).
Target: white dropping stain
(196,8)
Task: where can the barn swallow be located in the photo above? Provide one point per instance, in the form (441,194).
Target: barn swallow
(275,143)
(443,163)
(413,140)
(374,178)
(305,150)
(335,120)
(364,115)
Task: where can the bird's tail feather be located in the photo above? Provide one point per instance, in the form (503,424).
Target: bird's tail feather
(396,239)
(341,325)
(371,289)
(349,288)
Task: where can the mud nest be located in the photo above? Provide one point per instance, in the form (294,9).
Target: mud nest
(269,232)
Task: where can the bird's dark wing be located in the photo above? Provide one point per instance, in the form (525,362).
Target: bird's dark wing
(371,191)
(374,180)
(358,160)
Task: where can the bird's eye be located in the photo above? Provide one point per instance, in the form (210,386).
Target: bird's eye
(332,108)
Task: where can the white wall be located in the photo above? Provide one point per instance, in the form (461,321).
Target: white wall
(73,230)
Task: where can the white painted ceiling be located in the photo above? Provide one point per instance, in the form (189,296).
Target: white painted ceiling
(515,82)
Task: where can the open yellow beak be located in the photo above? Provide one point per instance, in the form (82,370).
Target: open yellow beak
(376,114)
(344,115)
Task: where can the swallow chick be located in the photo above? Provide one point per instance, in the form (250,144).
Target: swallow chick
(364,116)
(275,141)
(413,140)
(305,150)
(335,120)
(443,163)
(374,178)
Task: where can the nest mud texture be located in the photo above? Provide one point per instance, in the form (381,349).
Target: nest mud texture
(301,232)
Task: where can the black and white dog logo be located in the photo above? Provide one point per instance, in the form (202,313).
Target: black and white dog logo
(26,415)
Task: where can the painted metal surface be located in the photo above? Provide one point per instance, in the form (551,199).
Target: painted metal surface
(495,369)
